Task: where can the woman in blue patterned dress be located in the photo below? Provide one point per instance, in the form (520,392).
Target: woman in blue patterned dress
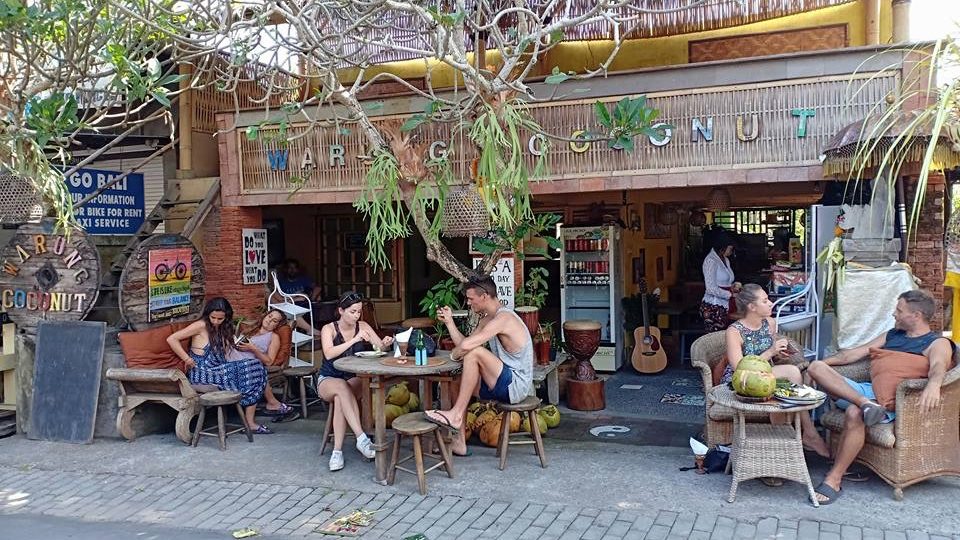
(211,339)
(754,334)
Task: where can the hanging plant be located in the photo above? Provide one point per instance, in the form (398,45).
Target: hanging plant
(501,176)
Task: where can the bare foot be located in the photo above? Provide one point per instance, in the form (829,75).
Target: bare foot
(447,419)
(817,444)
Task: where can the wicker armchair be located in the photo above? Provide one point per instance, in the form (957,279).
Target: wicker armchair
(915,446)
(705,353)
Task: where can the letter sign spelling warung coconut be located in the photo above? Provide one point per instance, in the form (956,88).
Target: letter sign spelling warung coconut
(47,275)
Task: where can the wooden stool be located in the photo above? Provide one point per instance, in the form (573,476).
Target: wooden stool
(328,428)
(302,374)
(529,407)
(219,399)
(415,425)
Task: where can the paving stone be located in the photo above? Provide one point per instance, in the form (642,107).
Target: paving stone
(872,534)
(745,531)
(766,529)
(850,532)
(827,526)
(666,518)
(808,530)
(722,532)
(894,535)
(917,535)
(658,532)
(705,522)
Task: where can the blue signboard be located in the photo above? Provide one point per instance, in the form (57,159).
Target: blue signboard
(117,210)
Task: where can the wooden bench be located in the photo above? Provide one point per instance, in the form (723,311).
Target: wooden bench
(167,386)
(549,374)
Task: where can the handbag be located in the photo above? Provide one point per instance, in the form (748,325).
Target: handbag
(428,342)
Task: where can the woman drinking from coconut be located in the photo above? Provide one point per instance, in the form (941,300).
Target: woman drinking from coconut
(755,334)
(345,337)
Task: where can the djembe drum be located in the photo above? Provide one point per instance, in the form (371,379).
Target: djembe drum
(585,391)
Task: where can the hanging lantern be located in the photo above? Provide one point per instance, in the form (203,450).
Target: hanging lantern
(718,200)
(464,213)
(19,201)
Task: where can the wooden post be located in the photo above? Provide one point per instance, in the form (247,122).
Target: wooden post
(185,167)
(873,22)
(901,21)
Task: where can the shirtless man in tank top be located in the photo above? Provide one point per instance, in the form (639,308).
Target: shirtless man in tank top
(504,373)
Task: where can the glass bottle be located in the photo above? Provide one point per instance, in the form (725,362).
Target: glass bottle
(420,350)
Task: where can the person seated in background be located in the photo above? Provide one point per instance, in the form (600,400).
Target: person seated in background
(911,350)
(292,280)
(264,345)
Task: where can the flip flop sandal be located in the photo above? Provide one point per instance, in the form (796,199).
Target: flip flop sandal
(771,481)
(855,476)
(295,415)
(873,414)
(827,491)
(263,430)
(467,454)
(443,421)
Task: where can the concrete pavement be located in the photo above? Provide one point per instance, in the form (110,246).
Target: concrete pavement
(591,489)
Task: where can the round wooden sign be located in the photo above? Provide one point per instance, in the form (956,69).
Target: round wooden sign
(162,282)
(47,275)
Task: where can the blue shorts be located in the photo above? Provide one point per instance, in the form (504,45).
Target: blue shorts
(500,390)
(865,389)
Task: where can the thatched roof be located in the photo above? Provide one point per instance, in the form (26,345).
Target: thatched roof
(670,17)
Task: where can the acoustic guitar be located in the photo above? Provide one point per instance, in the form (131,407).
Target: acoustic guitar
(648,354)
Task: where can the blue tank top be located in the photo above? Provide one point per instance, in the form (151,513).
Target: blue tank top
(898,340)
(327,369)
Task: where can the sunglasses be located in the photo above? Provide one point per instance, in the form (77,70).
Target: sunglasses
(350,299)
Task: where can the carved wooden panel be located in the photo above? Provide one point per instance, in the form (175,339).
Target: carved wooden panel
(788,41)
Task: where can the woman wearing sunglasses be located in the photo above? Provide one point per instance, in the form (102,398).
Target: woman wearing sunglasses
(345,337)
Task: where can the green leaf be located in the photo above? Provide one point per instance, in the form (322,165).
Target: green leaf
(413,122)
(556,76)
(603,115)
(252,132)
(557,36)
(161,98)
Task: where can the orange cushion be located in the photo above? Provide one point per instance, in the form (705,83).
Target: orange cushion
(286,345)
(889,368)
(149,348)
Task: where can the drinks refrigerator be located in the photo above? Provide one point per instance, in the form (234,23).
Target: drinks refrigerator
(591,287)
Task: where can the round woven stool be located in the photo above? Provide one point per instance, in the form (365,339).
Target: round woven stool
(302,374)
(526,407)
(220,399)
(415,425)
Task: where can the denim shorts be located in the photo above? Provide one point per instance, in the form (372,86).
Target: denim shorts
(500,390)
(865,389)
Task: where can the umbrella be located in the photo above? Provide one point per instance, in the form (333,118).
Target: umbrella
(840,152)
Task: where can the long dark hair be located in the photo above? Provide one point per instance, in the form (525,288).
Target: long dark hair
(221,337)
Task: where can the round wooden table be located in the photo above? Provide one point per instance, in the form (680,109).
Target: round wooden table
(765,450)
(375,373)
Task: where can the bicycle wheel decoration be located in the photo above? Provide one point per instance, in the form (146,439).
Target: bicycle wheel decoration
(162,282)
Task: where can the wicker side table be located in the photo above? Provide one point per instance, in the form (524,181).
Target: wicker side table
(765,450)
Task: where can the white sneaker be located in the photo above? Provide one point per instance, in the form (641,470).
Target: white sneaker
(336,460)
(365,446)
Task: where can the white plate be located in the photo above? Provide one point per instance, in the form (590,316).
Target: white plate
(370,354)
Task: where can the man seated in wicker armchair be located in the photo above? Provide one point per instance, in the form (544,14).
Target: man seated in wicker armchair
(911,350)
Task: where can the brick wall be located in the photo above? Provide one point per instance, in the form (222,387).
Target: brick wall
(926,254)
(223,258)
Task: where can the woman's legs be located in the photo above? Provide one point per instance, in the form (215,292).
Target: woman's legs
(346,412)
(248,412)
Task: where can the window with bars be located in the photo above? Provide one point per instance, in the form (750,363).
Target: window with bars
(765,221)
(343,260)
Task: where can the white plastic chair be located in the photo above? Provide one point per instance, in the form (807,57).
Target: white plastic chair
(288,304)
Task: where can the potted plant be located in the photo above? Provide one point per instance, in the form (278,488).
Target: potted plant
(531,297)
(444,293)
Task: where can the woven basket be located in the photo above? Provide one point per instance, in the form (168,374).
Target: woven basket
(718,200)
(19,202)
(464,213)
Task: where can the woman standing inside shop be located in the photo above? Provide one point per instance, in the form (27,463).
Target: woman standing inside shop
(345,337)
(718,279)
(211,339)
